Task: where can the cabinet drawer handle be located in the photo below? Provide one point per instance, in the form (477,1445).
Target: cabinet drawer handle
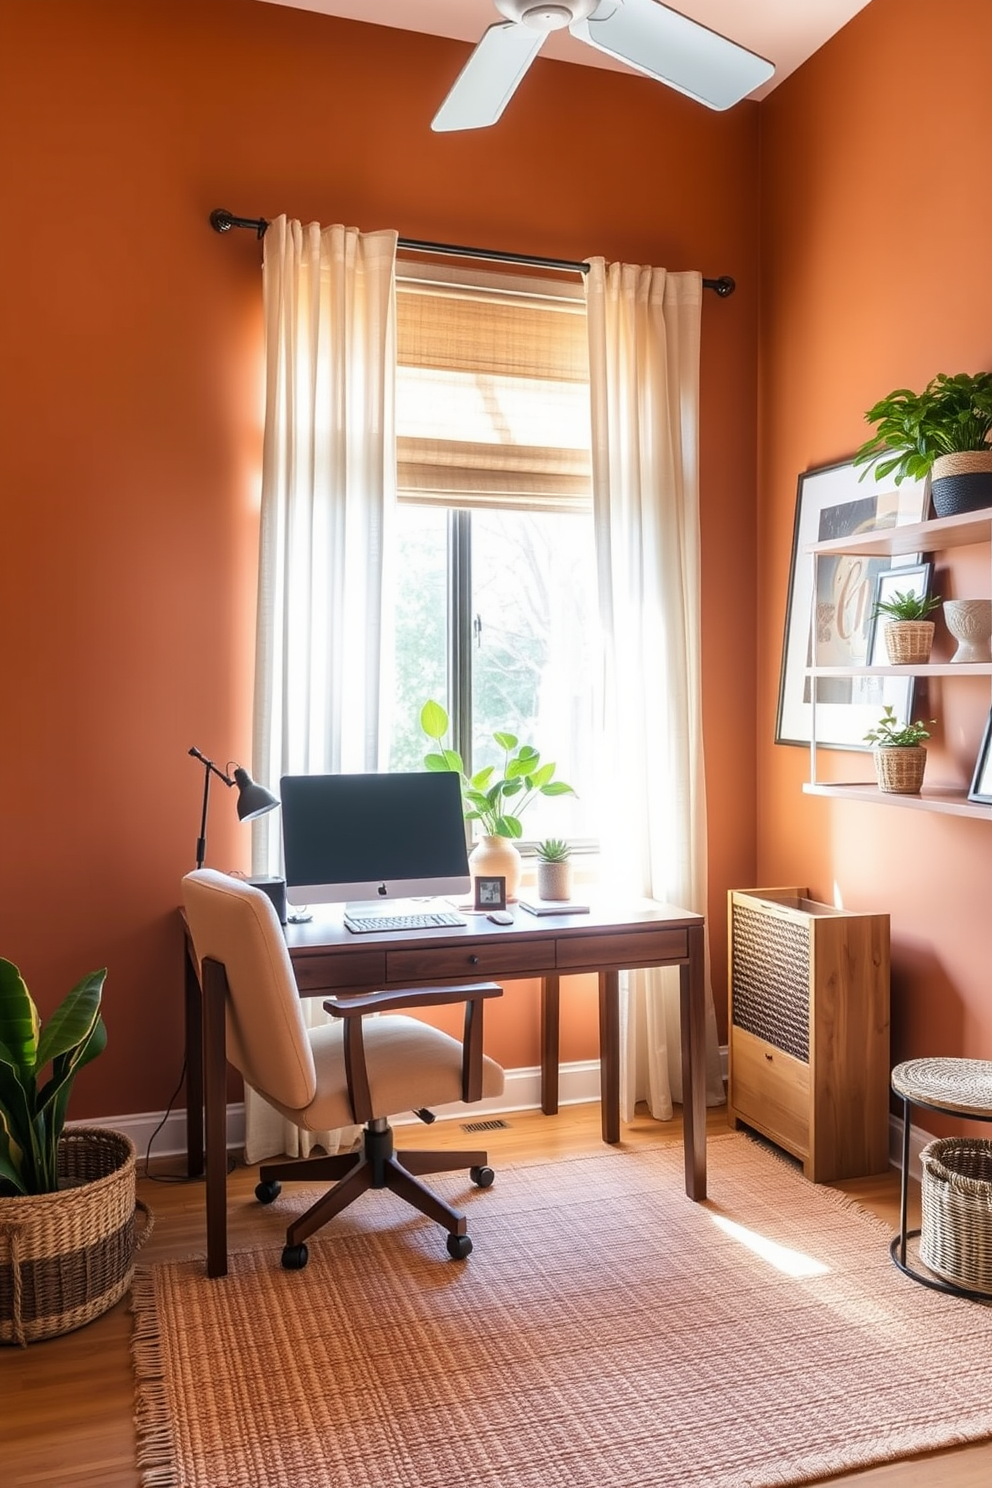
(473,960)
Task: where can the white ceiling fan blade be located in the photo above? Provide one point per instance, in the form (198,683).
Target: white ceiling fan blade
(668,46)
(489,78)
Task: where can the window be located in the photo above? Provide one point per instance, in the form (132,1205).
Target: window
(495,595)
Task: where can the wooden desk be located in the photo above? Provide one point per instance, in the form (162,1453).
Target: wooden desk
(328,958)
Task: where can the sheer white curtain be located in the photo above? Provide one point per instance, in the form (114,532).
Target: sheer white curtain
(644,328)
(328,477)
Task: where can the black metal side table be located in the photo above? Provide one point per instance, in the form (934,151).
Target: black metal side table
(954,1087)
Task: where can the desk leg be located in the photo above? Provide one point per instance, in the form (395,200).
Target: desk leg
(215,1084)
(609,1054)
(692,1007)
(550,1022)
(193,999)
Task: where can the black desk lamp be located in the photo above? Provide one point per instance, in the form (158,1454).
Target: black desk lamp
(253,800)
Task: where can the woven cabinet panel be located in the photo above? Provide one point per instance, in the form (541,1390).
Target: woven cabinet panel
(771,979)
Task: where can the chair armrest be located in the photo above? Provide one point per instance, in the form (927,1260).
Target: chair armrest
(409,997)
(353,1009)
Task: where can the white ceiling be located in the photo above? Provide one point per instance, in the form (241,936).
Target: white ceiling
(786,32)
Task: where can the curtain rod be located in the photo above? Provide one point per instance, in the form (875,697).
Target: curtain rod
(222,221)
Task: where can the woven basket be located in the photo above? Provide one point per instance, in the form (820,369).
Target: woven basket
(900,769)
(908,642)
(956,1234)
(66,1257)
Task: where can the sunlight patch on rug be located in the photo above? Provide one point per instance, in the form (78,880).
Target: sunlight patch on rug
(605,1333)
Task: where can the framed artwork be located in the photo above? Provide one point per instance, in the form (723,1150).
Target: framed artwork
(833,502)
(490,893)
(911,579)
(981,785)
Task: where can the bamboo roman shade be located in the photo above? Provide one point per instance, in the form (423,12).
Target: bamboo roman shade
(492,391)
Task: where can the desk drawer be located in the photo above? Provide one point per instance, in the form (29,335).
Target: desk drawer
(317,973)
(422,964)
(640,948)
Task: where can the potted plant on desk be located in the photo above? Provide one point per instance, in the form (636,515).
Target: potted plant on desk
(496,798)
(900,759)
(554,869)
(67,1198)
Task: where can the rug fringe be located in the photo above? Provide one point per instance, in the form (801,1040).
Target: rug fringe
(156,1453)
(835,1196)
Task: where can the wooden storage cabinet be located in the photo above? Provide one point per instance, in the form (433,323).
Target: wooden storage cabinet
(809,1030)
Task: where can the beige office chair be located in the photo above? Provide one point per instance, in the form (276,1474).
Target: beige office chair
(356,1069)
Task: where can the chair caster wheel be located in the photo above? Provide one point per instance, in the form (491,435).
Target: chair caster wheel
(295,1257)
(267,1193)
(482,1177)
(459,1246)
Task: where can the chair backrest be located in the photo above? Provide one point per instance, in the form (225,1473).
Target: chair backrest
(232,922)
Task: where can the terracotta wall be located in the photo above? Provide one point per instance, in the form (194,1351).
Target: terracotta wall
(876,227)
(131,408)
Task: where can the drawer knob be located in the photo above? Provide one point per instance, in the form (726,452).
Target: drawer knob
(473,960)
(768,1057)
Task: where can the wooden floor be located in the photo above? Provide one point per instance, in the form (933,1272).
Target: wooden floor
(65,1405)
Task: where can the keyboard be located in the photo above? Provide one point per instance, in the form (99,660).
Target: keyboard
(369,924)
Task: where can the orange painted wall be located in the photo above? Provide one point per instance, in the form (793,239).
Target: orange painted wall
(876,234)
(131,413)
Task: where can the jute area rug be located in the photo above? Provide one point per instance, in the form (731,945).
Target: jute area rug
(605,1333)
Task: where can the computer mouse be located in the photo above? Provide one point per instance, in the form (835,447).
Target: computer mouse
(500,917)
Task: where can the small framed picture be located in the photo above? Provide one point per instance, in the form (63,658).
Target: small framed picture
(981,785)
(490,893)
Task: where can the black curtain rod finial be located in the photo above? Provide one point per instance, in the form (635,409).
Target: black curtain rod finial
(222,221)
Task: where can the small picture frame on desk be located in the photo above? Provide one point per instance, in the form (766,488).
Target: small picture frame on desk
(489,893)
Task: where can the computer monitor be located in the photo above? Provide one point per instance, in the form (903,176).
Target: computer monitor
(373,837)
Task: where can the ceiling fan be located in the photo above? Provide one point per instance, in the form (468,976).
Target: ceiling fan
(646,35)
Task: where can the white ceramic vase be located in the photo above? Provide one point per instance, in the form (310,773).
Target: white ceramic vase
(970,623)
(496,857)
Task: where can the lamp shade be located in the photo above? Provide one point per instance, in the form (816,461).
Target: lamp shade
(253,800)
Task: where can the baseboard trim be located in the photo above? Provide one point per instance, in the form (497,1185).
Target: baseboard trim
(578,1083)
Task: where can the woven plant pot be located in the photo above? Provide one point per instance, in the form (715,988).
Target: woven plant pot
(66,1257)
(962,482)
(908,642)
(900,769)
(956,1232)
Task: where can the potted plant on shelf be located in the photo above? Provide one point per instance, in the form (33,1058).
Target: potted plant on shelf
(908,633)
(495,798)
(67,1198)
(900,759)
(554,869)
(942,432)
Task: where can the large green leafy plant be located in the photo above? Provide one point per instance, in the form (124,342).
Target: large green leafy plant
(951,415)
(496,798)
(32,1109)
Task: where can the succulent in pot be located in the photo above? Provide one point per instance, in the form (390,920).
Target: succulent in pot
(554,869)
(942,432)
(908,631)
(900,758)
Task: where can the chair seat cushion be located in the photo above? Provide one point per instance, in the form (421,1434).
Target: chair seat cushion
(410,1065)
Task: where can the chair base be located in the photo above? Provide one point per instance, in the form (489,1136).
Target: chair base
(376,1166)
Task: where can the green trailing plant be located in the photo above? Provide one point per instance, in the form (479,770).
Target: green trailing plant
(553,850)
(494,797)
(904,605)
(32,1109)
(951,415)
(889,733)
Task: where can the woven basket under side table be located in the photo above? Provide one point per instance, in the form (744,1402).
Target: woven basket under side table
(956,1243)
(956,1237)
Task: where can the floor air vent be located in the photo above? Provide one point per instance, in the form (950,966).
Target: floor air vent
(496,1125)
